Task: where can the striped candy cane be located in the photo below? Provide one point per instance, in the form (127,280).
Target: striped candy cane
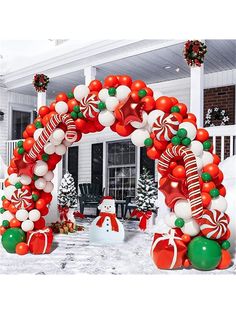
(192,177)
(70,135)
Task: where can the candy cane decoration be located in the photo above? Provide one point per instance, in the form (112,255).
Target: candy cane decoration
(192,177)
(49,128)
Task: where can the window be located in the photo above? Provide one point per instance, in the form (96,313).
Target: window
(97,165)
(20,120)
(121,169)
(73,168)
(146,162)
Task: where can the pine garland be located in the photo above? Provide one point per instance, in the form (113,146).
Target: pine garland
(146,192)
(67,195)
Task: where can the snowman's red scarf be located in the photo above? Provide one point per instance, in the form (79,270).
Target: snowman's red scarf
(114,224)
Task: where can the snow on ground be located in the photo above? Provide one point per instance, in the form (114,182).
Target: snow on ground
(73,254)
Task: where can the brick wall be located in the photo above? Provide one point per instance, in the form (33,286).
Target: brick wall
(224,98)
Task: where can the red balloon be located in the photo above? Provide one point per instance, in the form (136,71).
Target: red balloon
(62,97)
(192,117)
(178,116)
(183,109)
(79,135)
(174,101)
(26,188)
(202,135)
(164,103)
(149,103)
(125,80)
(44,211)
(123,130)
(149,91)
(47,197)
(72,103)
(111,81)
(152,153)
(160,145)
(22,248)
(52,106)
(16,154)
(219,178)
(113,126)
(216,159)
(5,203)
(28,144)
(206,199)
(15,223)
(222,190)
(134,95)
(207,186)
(43,111)
(137,85)
(226,260)
(11,170)
(39,224)
(25,134)
(7,183)
(40,203)
(212,169)
(30,129)
(179,172)
(80,124)
(95,85)
(2,230)
(45,119)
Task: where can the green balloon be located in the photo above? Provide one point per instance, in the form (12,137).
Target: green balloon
(2,210)
(80,115)
(204,254)
(214,193)
(20,143)
(101,105)
(206,145)
(5,223)
(21,151)
(142,93)
(179,222)
(35,197)
(38,125)
(73,115)
(206,177)
(112,91)
(182,133)
(70,95)
(176,140)
(186,141)
(77,109)
(225,245)
(11,238)
(18,185)
(45,157)
(148,142)
(175,109)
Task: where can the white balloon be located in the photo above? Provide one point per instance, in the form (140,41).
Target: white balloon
(182,209)
(49,176)
(153,116)
(170,220)
(191,227)
(58,135)
(22,214)
(122,92)
(197,148)
(81,91)
(49,148)
(40,183)
(61,107)
(13,178)
(37,133)
(8,191)
(207,158)
(106,118)
(54,142)
(60,150)
(219,203)
(103,94)
(190,128)
(25,180)
(138,125)
(34,215)
(111,103)
(27,225)
(7,215)
(139,136)
(199,163)
(49,187)
(67,143)
(40,168)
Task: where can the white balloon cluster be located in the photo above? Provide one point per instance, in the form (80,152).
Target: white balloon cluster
(57,143)
(44,183)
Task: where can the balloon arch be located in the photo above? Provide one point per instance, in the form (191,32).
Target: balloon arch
(191,179)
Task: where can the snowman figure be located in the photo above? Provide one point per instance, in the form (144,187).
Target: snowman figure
(106,228)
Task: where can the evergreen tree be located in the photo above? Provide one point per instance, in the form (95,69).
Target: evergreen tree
(67,195)
(146,192)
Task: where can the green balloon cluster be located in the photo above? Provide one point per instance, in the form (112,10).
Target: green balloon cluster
(181,137)
(204,254)
(11,238)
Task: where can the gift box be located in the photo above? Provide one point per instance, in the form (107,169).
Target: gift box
(168,250)
(40,241)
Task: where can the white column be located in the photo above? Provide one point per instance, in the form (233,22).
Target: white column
(41,99)
(196,93)
(90,74)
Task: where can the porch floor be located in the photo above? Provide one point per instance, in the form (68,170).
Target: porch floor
(73,254)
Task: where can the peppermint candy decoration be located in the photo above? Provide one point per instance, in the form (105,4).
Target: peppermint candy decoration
(165,127)
(213,224)
(22,199)
(89,106)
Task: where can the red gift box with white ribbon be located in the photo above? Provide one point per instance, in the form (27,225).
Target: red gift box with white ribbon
(168,250)
(40,241)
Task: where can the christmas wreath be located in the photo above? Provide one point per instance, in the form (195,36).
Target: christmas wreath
(40,82)
(194,52)
(216,114)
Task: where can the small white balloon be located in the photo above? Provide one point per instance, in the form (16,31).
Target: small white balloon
(207,158)
(8,191)
(34,215)
(49,148)
(219,203)
(49,176)
(182,209)
(60,150)
(153,116)
(37,133)
(199,163)
(122,92)
(191,227)
(138,125)
(7,215)
(22,214)
(170,220)
(197,148)
(111,103)
(106,118)
(81,91)
(61,107)
(27,225)
(40,183)
(40,168)
(25,180)
(103,94)
(58,135)
(13,178)
(190,128)
(67,143)
(48,187)
(139,136)
(54,142)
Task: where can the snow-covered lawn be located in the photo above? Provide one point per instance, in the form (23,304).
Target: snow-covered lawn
(73,254)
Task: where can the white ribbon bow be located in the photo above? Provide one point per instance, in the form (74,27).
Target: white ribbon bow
(45,236)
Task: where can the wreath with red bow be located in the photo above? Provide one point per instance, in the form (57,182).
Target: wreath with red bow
(194,52)
(40,82)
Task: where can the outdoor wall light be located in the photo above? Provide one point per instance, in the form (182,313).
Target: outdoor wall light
(1,115)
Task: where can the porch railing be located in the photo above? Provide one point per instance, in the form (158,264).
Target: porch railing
(10,148)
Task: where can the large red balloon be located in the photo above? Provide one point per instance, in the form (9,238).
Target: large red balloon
(95,86)
(123,130)
(111,81)
(62,97)
(137,85)
(164,103)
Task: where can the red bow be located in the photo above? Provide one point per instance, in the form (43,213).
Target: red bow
(77,214)
(144,216)
(114,224)
(63,211)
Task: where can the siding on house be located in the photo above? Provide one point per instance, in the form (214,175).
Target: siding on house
(5,123)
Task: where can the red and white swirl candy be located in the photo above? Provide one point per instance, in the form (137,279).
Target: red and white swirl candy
(21,199)
(213,224)
(89,106)
(165,127)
